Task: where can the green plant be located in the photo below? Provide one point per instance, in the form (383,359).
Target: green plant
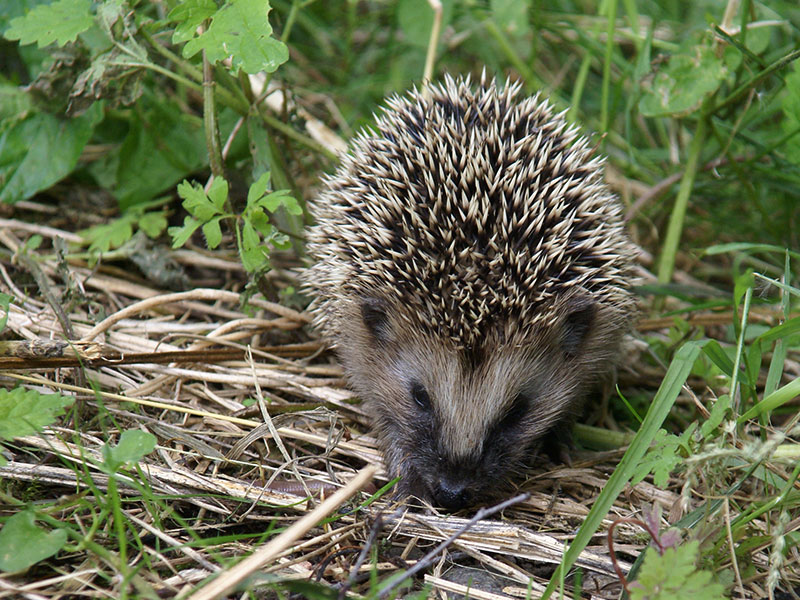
(252,227)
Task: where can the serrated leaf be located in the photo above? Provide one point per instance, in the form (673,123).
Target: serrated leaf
(674,575)
(181,235)
(189,15)
(281,241)
(196,202)
(60,22)
(153,224)
(213,233)
(680,87)
(240,30)
(23,544)
(661,459)
(260,222)
(24,411)
(253,259)
(133,445)
(103,238)
(273,201)
(218,193)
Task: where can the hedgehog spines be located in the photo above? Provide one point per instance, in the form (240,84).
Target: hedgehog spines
(469,211)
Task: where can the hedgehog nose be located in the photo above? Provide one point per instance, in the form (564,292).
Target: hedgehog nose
(451,495)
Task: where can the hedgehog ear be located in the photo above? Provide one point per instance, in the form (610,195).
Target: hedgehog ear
(374,313)
(581,312)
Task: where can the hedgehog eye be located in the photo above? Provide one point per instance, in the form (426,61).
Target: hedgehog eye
(516,412)
(577,324)
(375,317)
(420,395)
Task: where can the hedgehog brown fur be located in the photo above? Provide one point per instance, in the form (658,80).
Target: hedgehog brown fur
(473,274)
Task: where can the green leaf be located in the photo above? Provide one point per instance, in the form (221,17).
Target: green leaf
(258,188)
(260,222)
(273,201)
(104,237)
(218,193)
(718,412)
(189,15)
(196,202)
(161,148)
(133,445)
(41,150)
(250,237)
(24,411)
(784,330)
(719,357)
(5,303)
(181,235)
(252,251)
(749,248)
(790,105)
(777,398)
(241,30)
(23,544)
(60,22)
(254,259)
(213,233)
(741,284)
(681,86)
(153,223)
(661,459)
(311,590)
(15,103)
(673,575)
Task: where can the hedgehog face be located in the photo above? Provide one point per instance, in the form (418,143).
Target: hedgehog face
(457,425)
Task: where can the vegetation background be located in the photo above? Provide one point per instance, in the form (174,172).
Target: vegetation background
(208,124)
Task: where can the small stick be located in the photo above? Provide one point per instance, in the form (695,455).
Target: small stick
(433,42)
(228,581)
(428,559)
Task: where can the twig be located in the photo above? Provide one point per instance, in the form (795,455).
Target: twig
(198,294)
(428,559)
(433,42)
(373,535)
(227,582)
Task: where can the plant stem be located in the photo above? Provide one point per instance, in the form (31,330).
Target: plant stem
(183,65)
(527,74)
(666,264)
(604,109)
(210,121)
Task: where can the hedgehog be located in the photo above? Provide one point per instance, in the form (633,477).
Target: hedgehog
(472,272)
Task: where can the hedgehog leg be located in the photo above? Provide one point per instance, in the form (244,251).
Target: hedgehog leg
(558,445)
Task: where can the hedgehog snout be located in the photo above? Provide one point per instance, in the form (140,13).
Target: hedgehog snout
(452,494)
